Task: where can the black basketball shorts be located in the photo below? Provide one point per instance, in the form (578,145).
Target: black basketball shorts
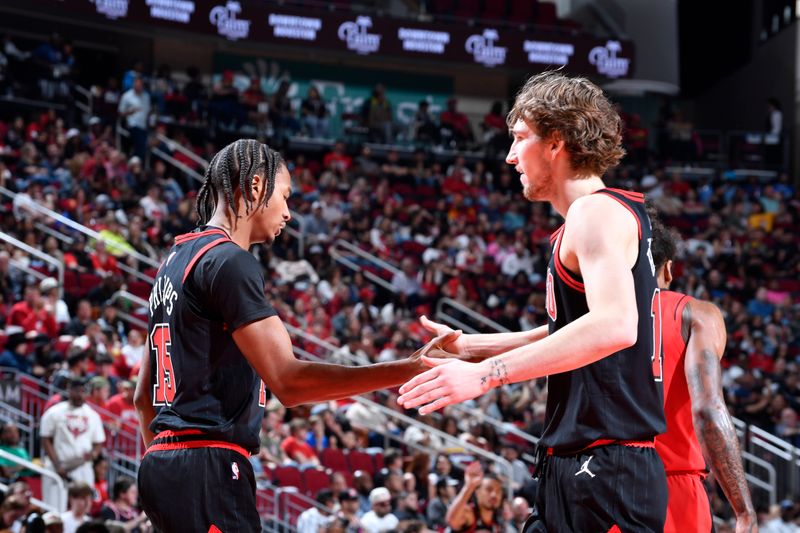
(199,490)
(613,488)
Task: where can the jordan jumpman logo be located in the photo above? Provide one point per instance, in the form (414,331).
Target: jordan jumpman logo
(585,468)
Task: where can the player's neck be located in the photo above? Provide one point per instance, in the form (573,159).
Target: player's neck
(567,190)
(239,232)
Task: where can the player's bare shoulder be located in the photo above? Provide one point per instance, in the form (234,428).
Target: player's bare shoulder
(705,314)
(708,325)
(595,218)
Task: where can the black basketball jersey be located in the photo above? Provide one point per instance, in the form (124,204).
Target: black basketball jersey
(206,288)
(618,397)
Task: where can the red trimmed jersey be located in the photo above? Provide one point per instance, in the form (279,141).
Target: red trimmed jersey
(618,397)
(206,288)
(678,447)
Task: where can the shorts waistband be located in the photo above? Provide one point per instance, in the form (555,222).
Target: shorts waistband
(606,442)
(190,439)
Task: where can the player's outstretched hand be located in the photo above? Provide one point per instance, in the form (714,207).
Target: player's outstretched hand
(447,382)
(457,347)
(473,475)
(435,347)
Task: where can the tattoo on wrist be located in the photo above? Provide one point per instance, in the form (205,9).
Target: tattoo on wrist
(497,373)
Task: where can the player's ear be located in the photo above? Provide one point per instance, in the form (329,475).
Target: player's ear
(668,272)
(256,185)
(555,144)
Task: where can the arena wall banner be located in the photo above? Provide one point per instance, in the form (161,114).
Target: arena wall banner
(344,89)
(358,34)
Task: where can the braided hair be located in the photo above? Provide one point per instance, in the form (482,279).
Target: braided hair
(234,166)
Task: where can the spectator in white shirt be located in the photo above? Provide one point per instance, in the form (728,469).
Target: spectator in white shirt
(311,520)
(380,518)
(80,502)
(405,281)
(72,435)
(154,207)
(134,108)
(133,349)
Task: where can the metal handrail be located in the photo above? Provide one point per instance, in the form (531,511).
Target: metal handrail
(758,482)
(62,493)
(35,501)
(177,164)
(116,467)
(76,226)
(446,437)
(174,145)
(316,340)
(506,427)
(28,270)
(53,233)
(40,255)
(128,296)
(774,440)
(366,255)
(45,104)
(123,294)
(469,312)
(336,255)
(88,107)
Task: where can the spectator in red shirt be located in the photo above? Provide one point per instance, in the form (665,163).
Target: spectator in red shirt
(34,314)
(121,404)
(455,124)
(337,159)
(100,466)
(495,129)
(103,262)
(295,446)
(760,359)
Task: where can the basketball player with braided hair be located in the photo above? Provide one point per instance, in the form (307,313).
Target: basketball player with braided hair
(216,345)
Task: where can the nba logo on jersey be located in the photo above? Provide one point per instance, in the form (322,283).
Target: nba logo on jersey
(235,470)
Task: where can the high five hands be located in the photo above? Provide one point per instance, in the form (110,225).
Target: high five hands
(449,379)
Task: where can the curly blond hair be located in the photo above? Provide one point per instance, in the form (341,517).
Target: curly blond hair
(578,110)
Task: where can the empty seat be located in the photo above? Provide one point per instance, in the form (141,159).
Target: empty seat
(334,459)
(377,458)
(288,476)
(361,461)
(140,289)
(314,480)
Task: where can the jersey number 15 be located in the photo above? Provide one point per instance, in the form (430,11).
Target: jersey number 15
(164,387)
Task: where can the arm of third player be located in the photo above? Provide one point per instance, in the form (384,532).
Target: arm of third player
(712,422)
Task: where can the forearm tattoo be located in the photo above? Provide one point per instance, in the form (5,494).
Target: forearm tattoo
(716,432)
(498,373)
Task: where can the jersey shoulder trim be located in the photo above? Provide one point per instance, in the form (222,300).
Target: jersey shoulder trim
(200,254)
(556,233)
(682,303)
(608,193)
(186,237)
(571,280)
(630,195)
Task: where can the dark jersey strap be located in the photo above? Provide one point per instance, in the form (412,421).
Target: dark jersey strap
(618,195)
(200,254)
